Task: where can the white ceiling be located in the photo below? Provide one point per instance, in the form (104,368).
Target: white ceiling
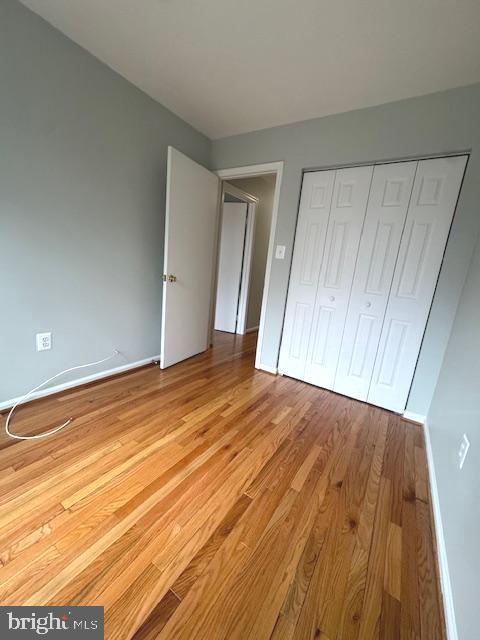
(231,66)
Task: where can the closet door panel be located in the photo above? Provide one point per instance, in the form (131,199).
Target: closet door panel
(433,200)
(347,214)
(384,221)
(314,211)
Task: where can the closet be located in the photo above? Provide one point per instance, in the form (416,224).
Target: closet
(368,250)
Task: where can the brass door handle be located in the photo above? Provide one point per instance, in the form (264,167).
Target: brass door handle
(172,278)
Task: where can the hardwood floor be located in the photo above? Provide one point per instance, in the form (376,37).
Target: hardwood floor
(215,501)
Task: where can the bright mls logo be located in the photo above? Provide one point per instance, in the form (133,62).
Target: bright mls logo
(24,623)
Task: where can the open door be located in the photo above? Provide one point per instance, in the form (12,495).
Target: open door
(231,260)
(191,218)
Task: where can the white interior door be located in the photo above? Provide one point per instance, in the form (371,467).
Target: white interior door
(434,196)
(384,221)
(314,210)
(191,217)
(232,244)
(345,224)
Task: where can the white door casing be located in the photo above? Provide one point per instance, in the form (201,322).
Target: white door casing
(232,242)
(347,213)
(314,211)
(191,220)
(434,196)
(384,222)
(246,269)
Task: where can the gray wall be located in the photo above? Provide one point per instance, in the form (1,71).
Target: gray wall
(455,410)
(441,122)
(263,188)
(82,196)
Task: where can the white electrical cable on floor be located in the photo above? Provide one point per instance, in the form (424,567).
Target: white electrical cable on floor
(27,396)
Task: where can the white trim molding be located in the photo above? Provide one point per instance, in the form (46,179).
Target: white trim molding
(414,417)
(445,583)
(251,329)
(7,404)
(246,268)
(251,171)
(232,190)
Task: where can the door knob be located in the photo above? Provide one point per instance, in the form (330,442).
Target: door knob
(332,298)
(368,304)
(172,278)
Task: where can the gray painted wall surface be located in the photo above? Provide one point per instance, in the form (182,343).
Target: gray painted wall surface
(434,124)
(82,179)
(455,410)
(82,199)
(263,188)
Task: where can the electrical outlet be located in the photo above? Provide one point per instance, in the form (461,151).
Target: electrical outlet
(44,341)
(462,451)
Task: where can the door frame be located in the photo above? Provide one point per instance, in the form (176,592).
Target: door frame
(245,280)
(252,171)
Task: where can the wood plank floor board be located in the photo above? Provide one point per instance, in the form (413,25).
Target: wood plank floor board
(287,619)
(211,500)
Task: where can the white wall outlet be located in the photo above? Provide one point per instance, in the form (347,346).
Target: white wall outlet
(44,341)
(280,252)
(462,451)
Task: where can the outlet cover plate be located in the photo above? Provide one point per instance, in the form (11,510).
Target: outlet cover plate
(44,341)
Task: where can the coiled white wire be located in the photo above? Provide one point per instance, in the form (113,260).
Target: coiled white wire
(27,396)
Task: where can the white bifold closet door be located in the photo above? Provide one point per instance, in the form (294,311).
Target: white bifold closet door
(314,211)
(368,250)
(332,208)
(347,213)
(434,197)
(384,222)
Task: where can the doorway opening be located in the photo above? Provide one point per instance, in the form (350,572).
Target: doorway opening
(245,224)
(237,239)
(245,250)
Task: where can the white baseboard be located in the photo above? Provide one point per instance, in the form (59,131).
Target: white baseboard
(6,404)
(252,329)
(445,583)
(266,367)
(414,417)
